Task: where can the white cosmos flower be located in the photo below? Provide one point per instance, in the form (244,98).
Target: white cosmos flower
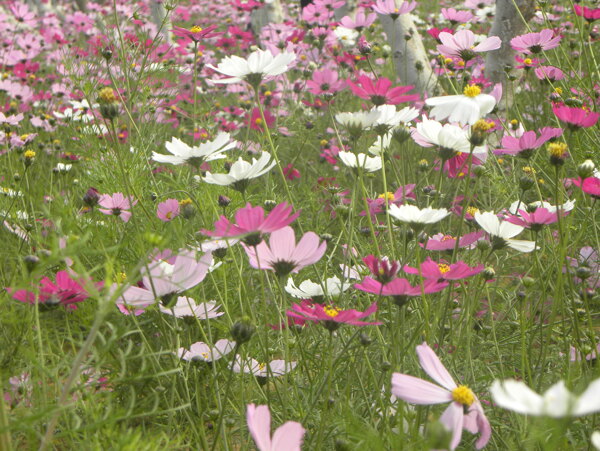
(381,144)
(308,289)
(414,215)
(360,120)
(362,160)
(202,352)
(519,205)
(556,402)
(274,368)
(208,151)
(242,171)
(347,36)
(390,117)
(596,440)
(186,306)
(502,232)
(259,66)
(465,109)
(429,133)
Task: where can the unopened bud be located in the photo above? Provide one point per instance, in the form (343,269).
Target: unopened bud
(242,331)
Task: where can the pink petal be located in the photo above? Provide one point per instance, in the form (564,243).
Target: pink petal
(434,368)
(452,418)
(288,437)
(417,391)
(259,424)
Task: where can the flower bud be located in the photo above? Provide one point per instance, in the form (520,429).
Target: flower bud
(489,273)
(242,331)
(586,169)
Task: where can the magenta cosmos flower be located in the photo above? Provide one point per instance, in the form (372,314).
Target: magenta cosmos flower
(330,316)
(383,269)
(381,92)
(464,411)
(441,242)
(527,143)
(287,437)
(196,33)
(461,44)
(443,271)
(535,42)
(589,185)
(168,210)
(589,14)
(283,255)
(116,205)
(64,290)
(252,223)
(575,117)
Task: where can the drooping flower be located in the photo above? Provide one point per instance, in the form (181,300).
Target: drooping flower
(201,352)
(461,44)
(116,205)
(168,210)
(251,223)
(381,92)
(330,316)
(502,233)
(464,411)
(186,306)
(259,66)
(283,255)
(65,290)
(287,437)
(241,172)
(556,402)
(465,109)
(535,42)
(207,151)
(383,269)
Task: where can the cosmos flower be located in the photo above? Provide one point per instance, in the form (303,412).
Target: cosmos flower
(196,33)
(444,271)
(168,210)
(556,402)
(464,109)
(464,410)
(381,91)
(287,437)
(461,44)
(532,43)
(259,66)
(574,117)
(332,317)
(502,233)
(390,8)
(116,205)
(283,255)
(241,172)
(361,160)
(589,14)
(204,353)
(308,289)
(325,81)
(207,151)
(186,306)
(524,145)
(441,242)
(415,216)
(275,368)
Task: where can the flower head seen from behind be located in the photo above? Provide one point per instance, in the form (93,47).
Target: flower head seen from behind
(241,172)
(186,306)
(556,402)
(258,67)
(464,411)
(287,437)
(275,368)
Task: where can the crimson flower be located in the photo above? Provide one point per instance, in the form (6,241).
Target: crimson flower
(589,185)
(64,290)
(383,269)
(252,223)
(589,14)
(195,33)
(381,92)
(332,317)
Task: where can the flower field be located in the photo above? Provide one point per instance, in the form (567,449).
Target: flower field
(283,225)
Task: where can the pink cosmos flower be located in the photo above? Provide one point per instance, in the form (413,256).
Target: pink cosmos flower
(204,353)
(287,437)
(464,411)
(290,172)
(332,317)
(457,16)
(441,242)
(64,290)
(589,14)
(535,42)
(383,269)
(389,8)
(252,223)
(400,289)
(22,13)
(397,198)
(527,142)
(116,205)
(536,219)
(461,44)
(168,210)
(442,271)
(589,185)
(324,82)
(381,92)
(360,22)
(575,117)
(283,255)
(549,72)
(196,33)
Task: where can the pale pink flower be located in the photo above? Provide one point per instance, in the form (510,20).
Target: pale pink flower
(202,352)
(186,306)
(168,210)
(287,437)
(389,8)
(116,205)
(464,411)
(461,44)
(535,42)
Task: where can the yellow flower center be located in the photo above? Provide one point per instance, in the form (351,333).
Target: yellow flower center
(184,202)
(268,93)
(444,268)
(482,125)
(463,395)
(514,122)
(331,311)
(472,91)
(558,90)
(107,95)
(447,238)
(205,355)
(557,149)
(29,154)
(461,63)
(472,210)
(169,215)
(527,61)
(262,366)
(24,137)
(196,29)
(323,142)
(528,170)
(396,10)
(121,277)
(387,196)
(258,121)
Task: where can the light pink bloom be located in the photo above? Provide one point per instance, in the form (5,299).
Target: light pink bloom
(524,145)
(389,8)
(202,352)
(186,306)
(287,437)
(464,411)
(360,22)
(168,210)
(325,81)
(536,219)
(457,16)
(535,42)
(283,255)
(117,205)
(441,242)
(461,44)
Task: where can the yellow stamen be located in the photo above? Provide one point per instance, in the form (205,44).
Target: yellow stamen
(29,154)
(331,311)
(463,395)
(557,149)
(387,196)
(472,91)
(472,210)
(196,29)
(444,268)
